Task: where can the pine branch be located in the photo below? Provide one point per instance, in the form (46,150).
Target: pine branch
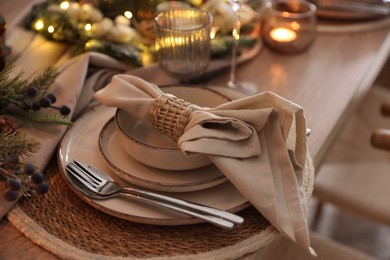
(37,119)
(43,81)
(126,53)
(15,142)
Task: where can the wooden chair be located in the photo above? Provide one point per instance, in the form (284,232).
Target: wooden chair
(355,175)
(381,137)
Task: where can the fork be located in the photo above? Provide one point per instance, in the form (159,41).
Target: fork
(104,187)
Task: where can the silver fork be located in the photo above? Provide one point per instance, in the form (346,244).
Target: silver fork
(105,187)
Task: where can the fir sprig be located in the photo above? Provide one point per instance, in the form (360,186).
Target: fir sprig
(40,119)
(25,102)
(16,142)
(14,88)
(43,81)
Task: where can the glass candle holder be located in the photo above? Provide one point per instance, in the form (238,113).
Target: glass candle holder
(183,42)
(289,26)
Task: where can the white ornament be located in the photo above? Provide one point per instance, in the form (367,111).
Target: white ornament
(121,19)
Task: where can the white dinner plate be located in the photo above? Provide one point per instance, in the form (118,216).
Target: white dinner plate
(148,177)
(81,143)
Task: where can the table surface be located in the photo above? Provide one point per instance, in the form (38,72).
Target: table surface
(328,81)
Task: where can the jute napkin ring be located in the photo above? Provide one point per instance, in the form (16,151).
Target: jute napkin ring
(170,115)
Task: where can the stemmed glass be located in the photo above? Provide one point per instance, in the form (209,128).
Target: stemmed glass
(244,87)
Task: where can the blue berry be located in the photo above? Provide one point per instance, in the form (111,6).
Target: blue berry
(43,187)
(45,102)
(52,98)
(29,169)
(36,106)
(37,178)
(64,110)
(11,195)
(14,184)
(32,91)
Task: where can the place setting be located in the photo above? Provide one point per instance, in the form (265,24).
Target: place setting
(175,156)
(342,16)
(95,139)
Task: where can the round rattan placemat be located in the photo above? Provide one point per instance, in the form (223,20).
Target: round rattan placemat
(65,225)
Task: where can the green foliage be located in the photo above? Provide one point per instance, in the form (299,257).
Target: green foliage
(39,119)
(221,46)
(16,105)
(16,142)
(126,53)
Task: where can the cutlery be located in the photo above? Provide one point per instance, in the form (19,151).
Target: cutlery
(98,185)
(349,6)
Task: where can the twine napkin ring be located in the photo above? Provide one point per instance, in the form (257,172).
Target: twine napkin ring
(170,115)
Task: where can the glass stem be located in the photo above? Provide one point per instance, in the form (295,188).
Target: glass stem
(236,39)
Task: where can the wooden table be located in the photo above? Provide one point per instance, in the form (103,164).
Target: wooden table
(328,80)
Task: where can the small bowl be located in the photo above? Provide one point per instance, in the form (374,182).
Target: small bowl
(148,146)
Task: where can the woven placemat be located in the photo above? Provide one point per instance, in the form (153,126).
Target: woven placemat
(65,225)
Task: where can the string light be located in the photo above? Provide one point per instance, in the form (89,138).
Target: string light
(128,14)
(50,29)
(39,25)
(88,27)
(64,5)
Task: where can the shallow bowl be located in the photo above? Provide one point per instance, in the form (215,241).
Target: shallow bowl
(148,146)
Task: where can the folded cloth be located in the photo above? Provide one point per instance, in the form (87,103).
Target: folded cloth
(74,87)
(258,142)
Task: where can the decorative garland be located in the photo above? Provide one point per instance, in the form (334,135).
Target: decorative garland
(25,103)
(124,37)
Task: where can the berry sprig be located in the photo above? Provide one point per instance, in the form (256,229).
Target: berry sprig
(28,102)
(25,103)
(21,179)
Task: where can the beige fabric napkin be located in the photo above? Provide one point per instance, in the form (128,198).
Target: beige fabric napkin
(79,79)
(258,142)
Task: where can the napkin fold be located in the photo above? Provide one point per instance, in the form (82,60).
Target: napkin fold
(79,79)
(258,142)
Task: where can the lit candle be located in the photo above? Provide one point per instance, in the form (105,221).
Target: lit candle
(283,35)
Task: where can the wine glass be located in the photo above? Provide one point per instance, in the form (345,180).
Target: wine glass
(244,87)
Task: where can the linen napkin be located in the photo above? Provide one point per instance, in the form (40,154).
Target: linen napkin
(79,79)
(258,142)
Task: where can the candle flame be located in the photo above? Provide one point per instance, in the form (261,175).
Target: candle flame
(283,35)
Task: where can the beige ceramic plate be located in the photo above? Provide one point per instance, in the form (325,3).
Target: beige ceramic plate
(81,143)
(350,15)
(147,145)
(148,177)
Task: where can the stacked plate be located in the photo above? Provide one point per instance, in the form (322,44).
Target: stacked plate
(352,9)
(95,140)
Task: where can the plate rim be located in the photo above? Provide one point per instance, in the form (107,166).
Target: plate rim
(164,221)
(128,176)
